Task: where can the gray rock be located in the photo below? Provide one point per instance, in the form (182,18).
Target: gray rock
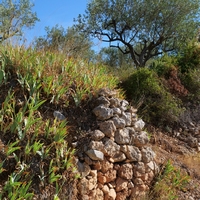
(124,105)
(114,102)
(95,155)
(116,111)
(83,168)
(107,92)
(119,122)
(140,139)
(127,118)
(102,112)
(59,115)
(192,142)
(108,128)
(122,136)
(97,135)
(147,154)
(118,157)
(139,125)
(131,130)
(96,145)
(102,100)
(131,152)
(111,148)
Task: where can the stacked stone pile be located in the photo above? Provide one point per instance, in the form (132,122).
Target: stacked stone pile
(117,162)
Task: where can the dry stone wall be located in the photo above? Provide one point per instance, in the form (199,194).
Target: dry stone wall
(117,162)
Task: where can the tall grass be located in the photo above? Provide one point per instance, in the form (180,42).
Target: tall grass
(34,153)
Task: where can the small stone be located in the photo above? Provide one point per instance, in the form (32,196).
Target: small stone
(138,181)
(59,115)
(111,195)
(110,175)
(139,167)
(119,122)
(108,128)
(121,184)
(114,102)
(140,139)
(105,166)
(126,171)
(139,125)
(97,135)
(96,145)
(111,148)
(117,111)
(95,155)
(102,112)
(131,152)
(127,118)
(102,100)
(122,136)
(124,105)
(83,168)
(96,165)
(105,189)
(147,154)
(101,178)
(119,157)
(99,194)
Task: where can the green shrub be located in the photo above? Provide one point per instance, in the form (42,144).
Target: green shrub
(191,81)
(156,105)
(189,58)
(164,65)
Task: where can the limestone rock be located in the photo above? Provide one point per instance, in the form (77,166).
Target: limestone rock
(111,148)
(139,125)
(59,115)
(131,152)
(111,195)
(102,100)
(121,184)
(147,154)
(83,168)
(97,135)
(99,195)
(110,175)
(122,136)
(127,118)
(124,105)
(96,145)
(95,155)
(114,102)
(102,112)
(140,139)
(108,128)
(106,165)
(116,111)
(126,171)
(119,122)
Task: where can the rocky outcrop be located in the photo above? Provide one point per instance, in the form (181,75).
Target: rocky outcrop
(117,162)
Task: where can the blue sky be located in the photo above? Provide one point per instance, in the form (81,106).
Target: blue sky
(52,12)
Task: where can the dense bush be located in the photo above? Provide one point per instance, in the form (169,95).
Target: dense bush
(156,104)
(189,58)
(191,81)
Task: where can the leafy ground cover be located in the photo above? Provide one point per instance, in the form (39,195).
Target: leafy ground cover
(36,155)
(36,160)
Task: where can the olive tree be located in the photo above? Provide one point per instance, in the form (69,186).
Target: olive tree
(68,41)
(14,16)
(144,28)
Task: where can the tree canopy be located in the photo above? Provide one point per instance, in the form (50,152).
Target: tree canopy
(144,28)
(14,16)
(67,40)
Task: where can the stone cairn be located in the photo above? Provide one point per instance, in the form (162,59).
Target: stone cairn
(117,162)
